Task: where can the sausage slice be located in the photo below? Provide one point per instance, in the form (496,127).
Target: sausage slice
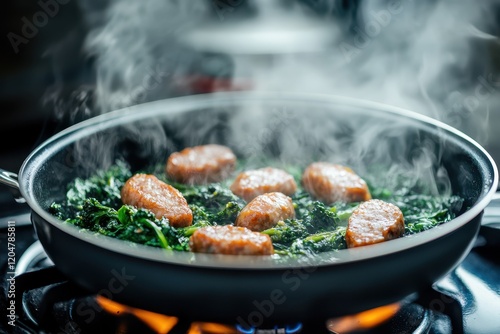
(201,164)
(265,211)
(230,240)
(334,183)
(252,183)
(147,192)
(372,222)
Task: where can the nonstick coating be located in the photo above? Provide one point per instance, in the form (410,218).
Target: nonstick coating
(256,290)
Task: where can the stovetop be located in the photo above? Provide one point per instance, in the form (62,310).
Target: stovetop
(467,300)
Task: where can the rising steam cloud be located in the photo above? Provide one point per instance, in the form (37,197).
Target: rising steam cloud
(137,51)
(428,56)
(433,57)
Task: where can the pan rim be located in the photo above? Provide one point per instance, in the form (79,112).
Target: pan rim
(95,124)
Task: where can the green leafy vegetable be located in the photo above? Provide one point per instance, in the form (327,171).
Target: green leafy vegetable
(320,242)
(286,232)
(422,212)
(212,203)
(132,224)
(95,204)
(127,223)
(104,186)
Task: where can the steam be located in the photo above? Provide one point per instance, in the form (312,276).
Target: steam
(426,56)
(137,50)
(432,57)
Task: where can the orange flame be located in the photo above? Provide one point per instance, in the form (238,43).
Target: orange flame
(210,328)
(364,320)
(161,324)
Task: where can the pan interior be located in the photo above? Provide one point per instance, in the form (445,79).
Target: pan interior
(291,129)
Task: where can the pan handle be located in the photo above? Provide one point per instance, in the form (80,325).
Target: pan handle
(10,180)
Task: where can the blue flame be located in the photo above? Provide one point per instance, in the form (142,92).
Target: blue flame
(245,330)
(293,329)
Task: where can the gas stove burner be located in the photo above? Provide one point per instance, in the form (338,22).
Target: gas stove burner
(288,329)
(33,258)
(408,317)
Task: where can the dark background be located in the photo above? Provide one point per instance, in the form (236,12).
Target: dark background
(28,76)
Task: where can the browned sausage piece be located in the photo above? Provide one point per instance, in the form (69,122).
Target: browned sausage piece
(253,183)
(201,164)
(230,240)
(265,211)
(330,183)
(147,192)
(372,222)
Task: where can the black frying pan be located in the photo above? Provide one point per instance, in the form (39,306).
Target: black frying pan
(293,128)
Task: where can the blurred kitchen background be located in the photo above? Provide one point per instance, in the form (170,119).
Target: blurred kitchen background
(63,61)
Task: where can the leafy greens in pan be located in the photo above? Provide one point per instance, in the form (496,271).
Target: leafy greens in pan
(94,204)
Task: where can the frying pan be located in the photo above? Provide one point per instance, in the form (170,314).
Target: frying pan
(292,128)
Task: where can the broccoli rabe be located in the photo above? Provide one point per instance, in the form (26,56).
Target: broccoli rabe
(323,218)
(422,212)
(128,223)
(320,242)
(104,186)
(213,196)
(286,232)
(95,204)
(212,203)
(228,214)
(137,225)
(314,214)
(141,224)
